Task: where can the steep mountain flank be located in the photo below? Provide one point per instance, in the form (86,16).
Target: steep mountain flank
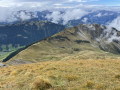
(82,42)
(107,39)
(26,33)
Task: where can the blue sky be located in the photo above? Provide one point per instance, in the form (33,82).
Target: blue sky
(97,2)
(106,2)
(13,3)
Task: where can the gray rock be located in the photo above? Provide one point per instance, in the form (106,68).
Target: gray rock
(17,62)
(2,65)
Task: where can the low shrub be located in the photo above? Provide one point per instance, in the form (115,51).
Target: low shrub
(117,76)
(71,77)
(90,84)
(41,84)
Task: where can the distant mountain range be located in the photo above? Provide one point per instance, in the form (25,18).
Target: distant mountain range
(100,17)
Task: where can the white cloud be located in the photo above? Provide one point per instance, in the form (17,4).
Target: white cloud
(85,20)
(110,33)
(77,0)
(20,3)
(113,37)
(99,15)
(70,14)
(58,4)
(73,15)
(115,23)
(55,16)
(6,15)
(24,15)
(11,15)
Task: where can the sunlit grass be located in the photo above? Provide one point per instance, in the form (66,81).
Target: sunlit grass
(62,75)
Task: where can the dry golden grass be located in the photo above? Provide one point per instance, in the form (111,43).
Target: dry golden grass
(62,75)
(41,84)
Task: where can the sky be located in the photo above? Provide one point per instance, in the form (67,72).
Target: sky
(57,3)
(107,2)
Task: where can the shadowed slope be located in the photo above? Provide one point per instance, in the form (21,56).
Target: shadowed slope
(26,33)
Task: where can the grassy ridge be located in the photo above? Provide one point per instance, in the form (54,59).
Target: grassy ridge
(62,75)
(65,45)
(4,55)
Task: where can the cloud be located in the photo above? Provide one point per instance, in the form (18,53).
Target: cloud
(22,3)
(115,23)
(111,34)
(9,15)
(6,15)
(25,15)
(85,20)
(113,37)
(77,0)
(99,15)
(56,16)
(72,14)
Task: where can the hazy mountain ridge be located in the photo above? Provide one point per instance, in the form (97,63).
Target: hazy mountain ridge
(101,17)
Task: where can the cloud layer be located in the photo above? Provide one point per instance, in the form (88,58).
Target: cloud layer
(115,23)
(8,15)
(73,14)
